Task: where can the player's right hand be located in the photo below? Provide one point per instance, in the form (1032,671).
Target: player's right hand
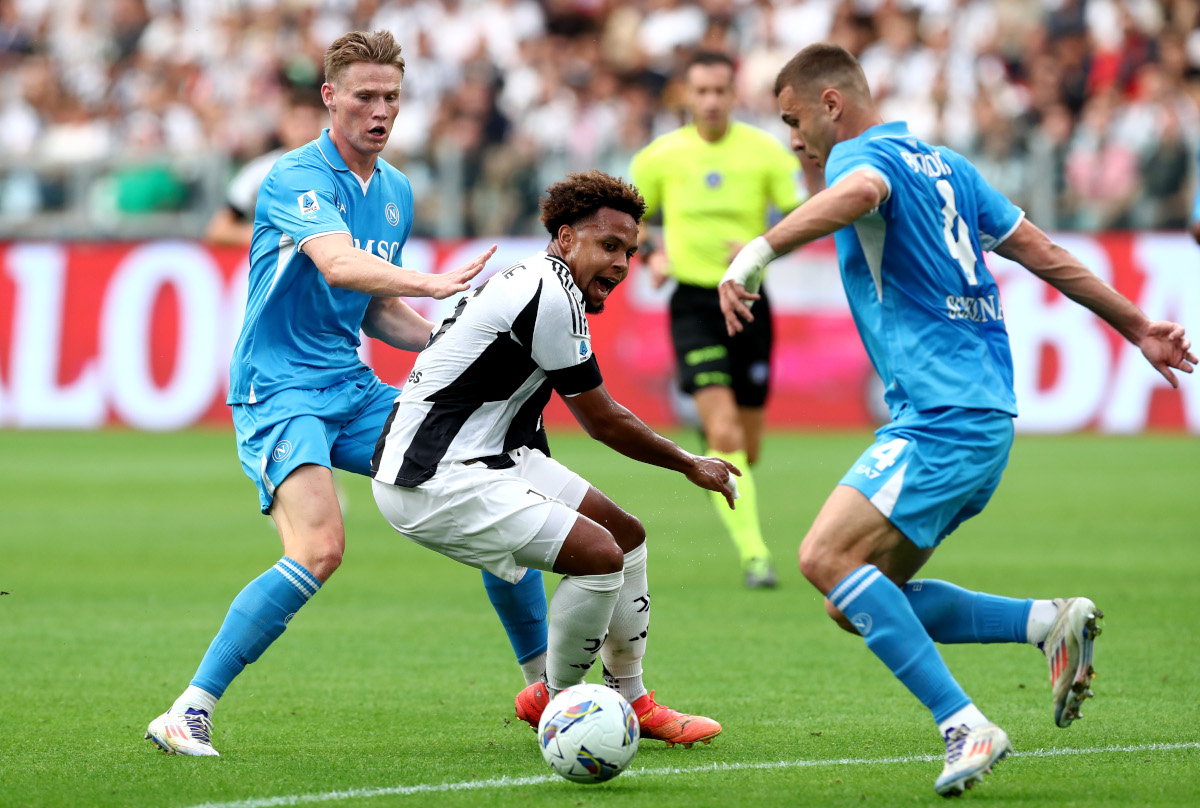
(459,280)
(715,474)
(735,306)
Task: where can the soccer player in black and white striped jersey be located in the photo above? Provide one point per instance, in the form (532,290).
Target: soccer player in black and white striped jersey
(453,470)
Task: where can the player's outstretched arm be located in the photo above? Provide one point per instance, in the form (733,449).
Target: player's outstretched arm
(347,267)
(1163,343)
(391,320)
(826,212)
(616,427)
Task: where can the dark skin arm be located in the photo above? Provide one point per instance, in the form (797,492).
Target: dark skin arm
(616,427)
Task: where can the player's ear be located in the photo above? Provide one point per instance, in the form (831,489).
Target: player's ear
(566,236)
(831,102)
(327,95)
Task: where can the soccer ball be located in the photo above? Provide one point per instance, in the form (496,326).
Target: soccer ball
(588,733)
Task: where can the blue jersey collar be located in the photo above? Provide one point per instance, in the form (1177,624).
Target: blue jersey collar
(332,156)
(890,129)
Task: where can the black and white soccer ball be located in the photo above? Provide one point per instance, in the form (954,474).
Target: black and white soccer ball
(588,733)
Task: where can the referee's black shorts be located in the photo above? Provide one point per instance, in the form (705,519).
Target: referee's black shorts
(707,355)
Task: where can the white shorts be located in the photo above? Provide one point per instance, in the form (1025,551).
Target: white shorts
(500,520)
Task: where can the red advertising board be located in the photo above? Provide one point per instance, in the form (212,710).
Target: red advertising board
(140,334)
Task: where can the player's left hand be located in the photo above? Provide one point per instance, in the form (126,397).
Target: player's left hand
(1165,346)
(715,474)
(735,305)
(459,280)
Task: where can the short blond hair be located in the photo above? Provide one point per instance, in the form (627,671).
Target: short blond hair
(376,47)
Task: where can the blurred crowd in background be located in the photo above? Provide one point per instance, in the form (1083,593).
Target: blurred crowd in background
(128,117)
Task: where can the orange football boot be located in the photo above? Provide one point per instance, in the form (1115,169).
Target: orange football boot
(531,702)
(661,723)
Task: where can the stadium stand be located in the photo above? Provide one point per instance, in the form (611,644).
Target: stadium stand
(125,118)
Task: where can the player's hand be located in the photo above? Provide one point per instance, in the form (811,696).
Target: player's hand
(715,474)
(735,305)
(739,285)
(1165,346)
(459,280)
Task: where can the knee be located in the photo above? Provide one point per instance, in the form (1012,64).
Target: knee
(607,558)
(323,556)
(628,531)
(821,562)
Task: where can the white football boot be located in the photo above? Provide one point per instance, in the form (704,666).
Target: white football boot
(970,754)
(188,733)
(1068,649)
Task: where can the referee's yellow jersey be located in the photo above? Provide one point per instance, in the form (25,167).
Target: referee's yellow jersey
(712,194)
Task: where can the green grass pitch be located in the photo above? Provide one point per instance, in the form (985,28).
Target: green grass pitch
(121,552)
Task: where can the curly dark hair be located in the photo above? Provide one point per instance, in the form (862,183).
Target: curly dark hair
(581,195)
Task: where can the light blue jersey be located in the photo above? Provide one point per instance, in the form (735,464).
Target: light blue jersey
(299,332)
(1196,204)
(925,305)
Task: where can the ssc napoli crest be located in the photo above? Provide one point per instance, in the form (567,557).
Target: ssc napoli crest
(392,213)
(281,451)
(713,179)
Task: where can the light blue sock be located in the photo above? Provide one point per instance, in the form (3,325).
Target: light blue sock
(880,612)
(257,616)
(951,614)
(522,610)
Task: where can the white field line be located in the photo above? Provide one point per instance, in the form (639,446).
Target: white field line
(509,782)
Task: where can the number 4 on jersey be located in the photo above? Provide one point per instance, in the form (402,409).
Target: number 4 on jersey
(886,454)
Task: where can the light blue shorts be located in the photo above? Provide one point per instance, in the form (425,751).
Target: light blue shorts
(335,427)
(928,472)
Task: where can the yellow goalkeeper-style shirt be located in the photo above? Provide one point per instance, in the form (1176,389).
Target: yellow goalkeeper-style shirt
(713,195)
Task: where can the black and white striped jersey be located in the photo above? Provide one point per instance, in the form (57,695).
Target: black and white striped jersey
(478,389)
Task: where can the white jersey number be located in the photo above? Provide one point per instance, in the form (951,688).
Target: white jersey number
(887,453)
(959,244)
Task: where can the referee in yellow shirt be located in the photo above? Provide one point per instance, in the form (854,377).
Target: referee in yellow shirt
(714,181)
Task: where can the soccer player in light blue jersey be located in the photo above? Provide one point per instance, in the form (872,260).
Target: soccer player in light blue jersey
(911,223)
(325,256)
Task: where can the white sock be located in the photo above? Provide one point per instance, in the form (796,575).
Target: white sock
(969,715)
(1041,618)
(532,669)
(580,612)
(626,644)
(197,699)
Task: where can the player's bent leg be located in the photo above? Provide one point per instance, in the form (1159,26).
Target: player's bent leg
(625,647)
(309,517)
(850,534)
(261,611)
(580,612)
(626,529)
